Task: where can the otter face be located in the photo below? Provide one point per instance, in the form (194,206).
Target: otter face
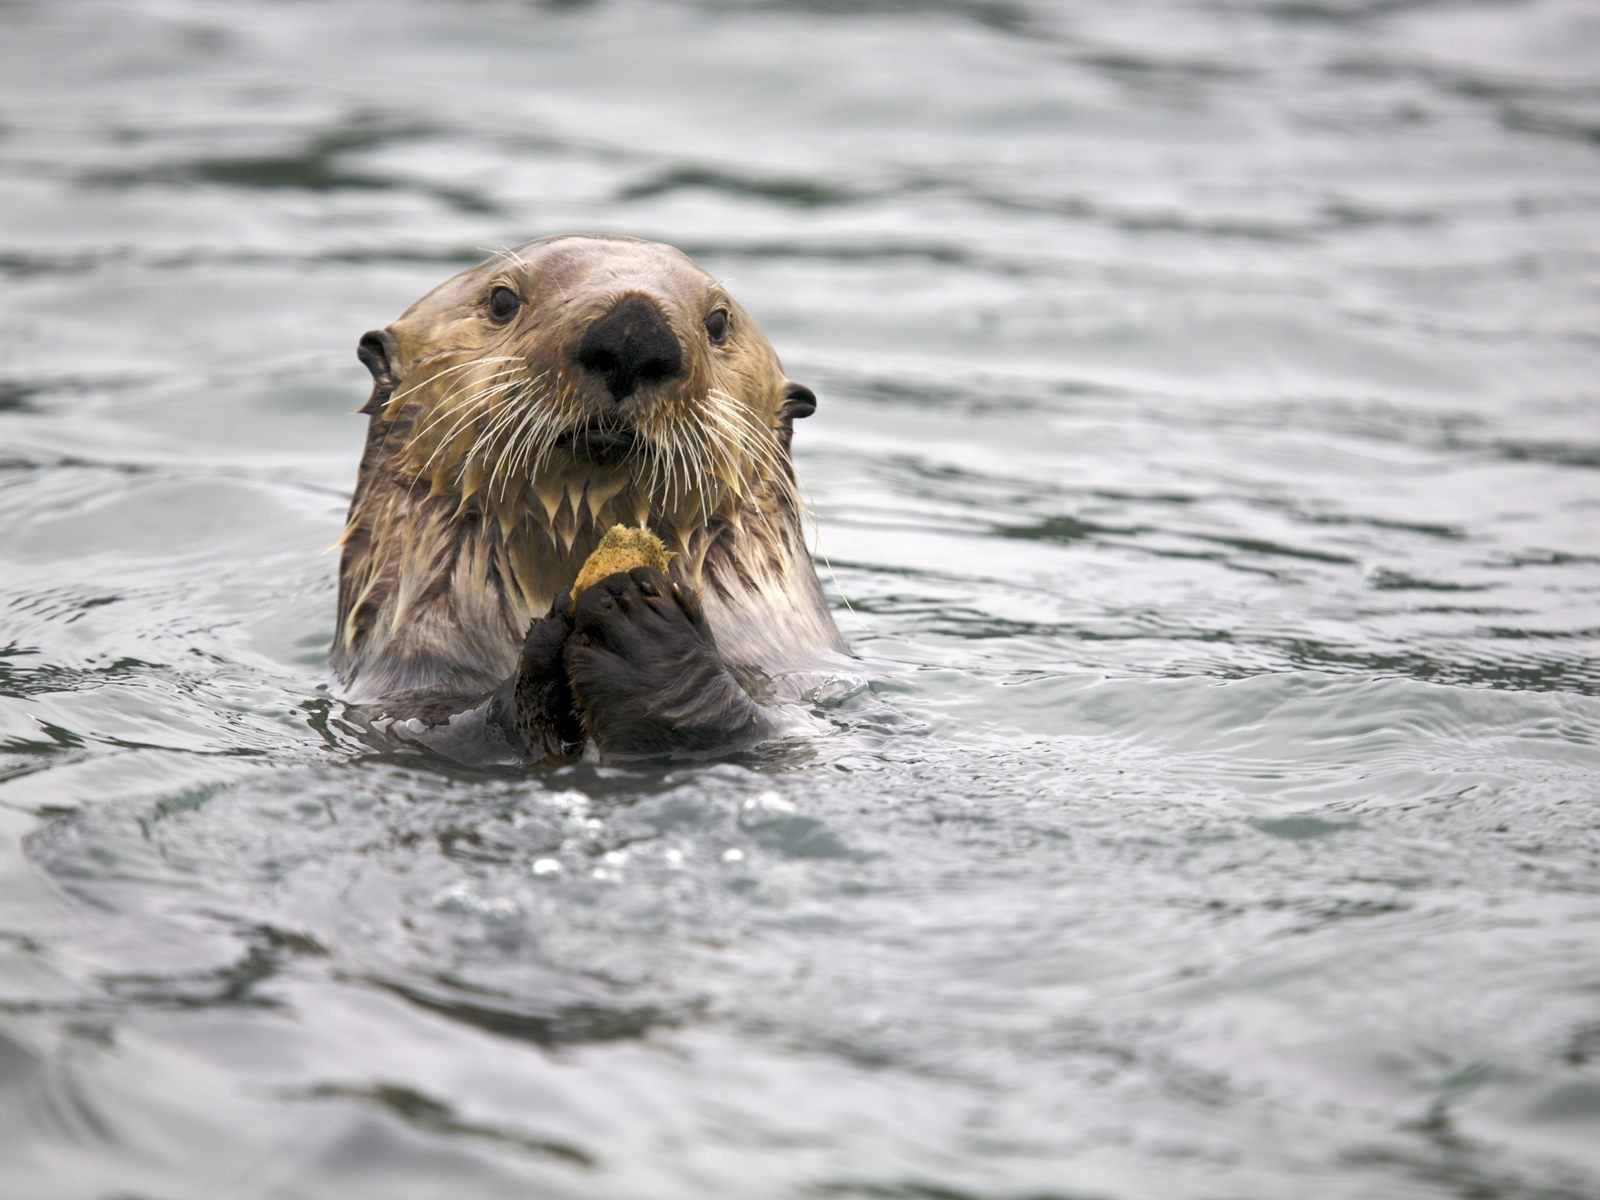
(593,373)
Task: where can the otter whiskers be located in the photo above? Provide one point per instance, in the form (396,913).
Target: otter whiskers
(498,432)
(463,409)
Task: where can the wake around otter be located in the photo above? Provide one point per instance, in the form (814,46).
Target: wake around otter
(519,411)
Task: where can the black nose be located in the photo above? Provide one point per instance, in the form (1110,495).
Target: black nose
(631,345)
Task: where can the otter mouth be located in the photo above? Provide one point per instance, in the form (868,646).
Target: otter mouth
(596,444)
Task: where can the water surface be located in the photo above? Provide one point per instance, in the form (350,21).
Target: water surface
(1206,474)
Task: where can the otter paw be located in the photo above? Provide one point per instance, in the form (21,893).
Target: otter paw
(646,675)
(542,714)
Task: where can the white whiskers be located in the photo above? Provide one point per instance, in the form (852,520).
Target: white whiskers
(498,432)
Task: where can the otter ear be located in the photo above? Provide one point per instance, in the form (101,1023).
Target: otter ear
(376,350)
(798,401)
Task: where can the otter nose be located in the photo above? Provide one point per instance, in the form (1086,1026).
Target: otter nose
(629,346)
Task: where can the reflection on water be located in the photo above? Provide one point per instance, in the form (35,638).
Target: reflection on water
(1206,451)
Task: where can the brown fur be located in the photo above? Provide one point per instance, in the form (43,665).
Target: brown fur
(468,519)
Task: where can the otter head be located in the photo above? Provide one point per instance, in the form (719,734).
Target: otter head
(581,374)
(526,405)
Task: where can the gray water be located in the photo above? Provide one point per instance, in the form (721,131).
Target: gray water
(1206,473)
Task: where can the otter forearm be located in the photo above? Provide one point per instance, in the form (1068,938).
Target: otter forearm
(534,708)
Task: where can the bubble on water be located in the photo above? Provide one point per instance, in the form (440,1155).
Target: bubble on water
(463,897)
(766,804)
(457,896)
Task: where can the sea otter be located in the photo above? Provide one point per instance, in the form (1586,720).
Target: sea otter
(520,410)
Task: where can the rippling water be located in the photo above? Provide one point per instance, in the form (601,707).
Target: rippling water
(1208,452)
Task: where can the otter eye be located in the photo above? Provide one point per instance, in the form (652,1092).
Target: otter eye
(717,326)
(503,305)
